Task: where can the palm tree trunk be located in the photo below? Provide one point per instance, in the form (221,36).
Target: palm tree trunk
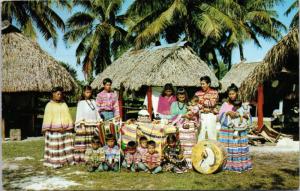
(241,52)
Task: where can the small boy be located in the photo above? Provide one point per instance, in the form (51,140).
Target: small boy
(112,155)
(94,155)
(173,156)
(142,148)
(151,160)
(132,157)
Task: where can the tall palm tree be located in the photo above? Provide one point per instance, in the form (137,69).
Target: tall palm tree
(31,15)
(97,32)
(213,27)
(295,20)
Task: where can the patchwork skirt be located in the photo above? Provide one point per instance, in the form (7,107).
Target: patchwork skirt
(59,148)
(83,139)
(237,148)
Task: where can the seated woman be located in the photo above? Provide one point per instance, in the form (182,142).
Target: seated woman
(236,145)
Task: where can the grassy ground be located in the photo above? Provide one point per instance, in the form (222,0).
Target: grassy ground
(280,171)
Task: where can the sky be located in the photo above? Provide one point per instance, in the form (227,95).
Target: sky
(66,53)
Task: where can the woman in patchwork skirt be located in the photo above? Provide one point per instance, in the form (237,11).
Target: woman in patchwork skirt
(236,144)
(57,127)
(87,121)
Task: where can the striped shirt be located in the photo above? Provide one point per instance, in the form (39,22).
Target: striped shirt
(132,158)
(151,159)
(108,101)
(208,99)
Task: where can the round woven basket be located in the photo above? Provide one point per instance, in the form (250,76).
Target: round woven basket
(208,156)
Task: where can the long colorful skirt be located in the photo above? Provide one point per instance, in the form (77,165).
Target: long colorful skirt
(83,139)
(237,148)
(59,148)
(187,138)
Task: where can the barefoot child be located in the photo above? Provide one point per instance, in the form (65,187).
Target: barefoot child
(112,155)
(132,157)
(94,155)
(173,156)
(151,160)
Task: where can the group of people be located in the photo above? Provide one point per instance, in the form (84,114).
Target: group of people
(196,120)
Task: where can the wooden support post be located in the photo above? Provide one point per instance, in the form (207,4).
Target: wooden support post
(149,96)
(260,104)
(121,102)
(3,129)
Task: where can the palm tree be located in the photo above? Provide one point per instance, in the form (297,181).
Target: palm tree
(31,15)
(295,20)
(98,34)
(213,27)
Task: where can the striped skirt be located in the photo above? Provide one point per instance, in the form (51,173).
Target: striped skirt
(83,139)
(237,148)
(58,149)
(188,139)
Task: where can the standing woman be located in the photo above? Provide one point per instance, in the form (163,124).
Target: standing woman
(165,100)
(87,120)
(57,127)
(208,99)
(107,102)
(187,135)
(238,158)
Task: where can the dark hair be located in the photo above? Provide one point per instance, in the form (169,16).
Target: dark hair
(109,137)
(151,143)
(107,80)
(182,92)
(131,145)
(143,138)
(171,138)
(232,87)
(95,139)
(168,86)
(57,89)
(86,87)
(206,79)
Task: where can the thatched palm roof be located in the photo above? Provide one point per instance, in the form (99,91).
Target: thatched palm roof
(178,65)
(284,54)
(27,68)
(237,74)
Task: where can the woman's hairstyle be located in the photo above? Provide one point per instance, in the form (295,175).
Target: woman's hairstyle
(181,91)
(85,88)
(206,79)
(232,87)
(171,138)
(168,86)
(57,89)
(107,80)
(131,145)
(151,143)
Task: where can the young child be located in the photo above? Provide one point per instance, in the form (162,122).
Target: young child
(87,121)
(132,157)
(194,109)
(173,156)
(142,148)
(151,160)
(143,115)
(94,155)
(112,155)
(240,123)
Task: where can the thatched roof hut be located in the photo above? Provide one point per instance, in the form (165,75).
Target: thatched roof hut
(284,54)
(178,65)
(237,74)
(27,68)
